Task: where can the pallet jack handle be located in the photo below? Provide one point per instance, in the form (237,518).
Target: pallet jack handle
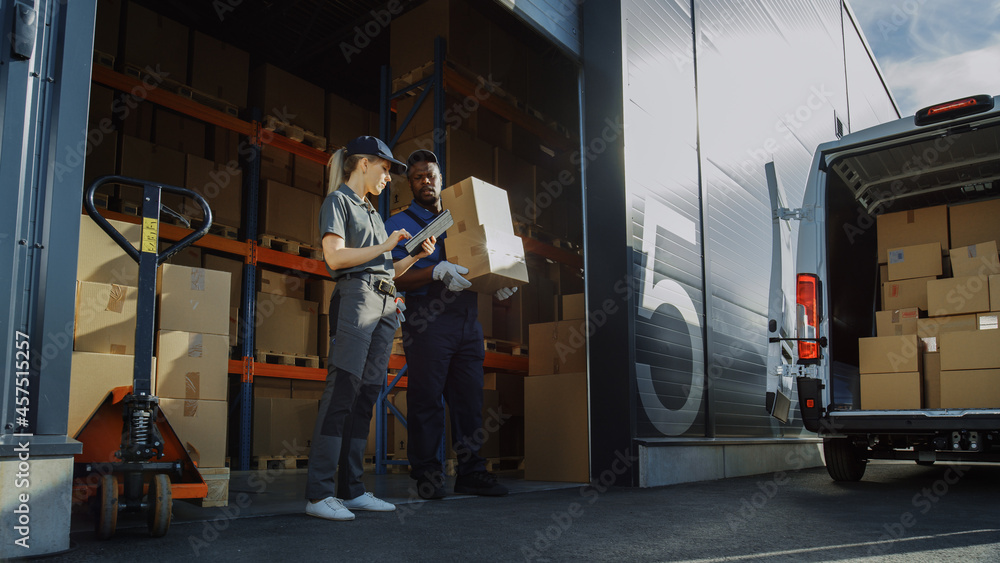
(88,203)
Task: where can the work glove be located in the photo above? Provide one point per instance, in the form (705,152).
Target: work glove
(451,275)
(400,307)
(505,292)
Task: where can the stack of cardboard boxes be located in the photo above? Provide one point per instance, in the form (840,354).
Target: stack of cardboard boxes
(190,369)
(556,407)
(933,347)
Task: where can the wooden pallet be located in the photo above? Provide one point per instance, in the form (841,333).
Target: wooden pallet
(290,247)
(101,200)
(263,462)
(104,59)
(215,103)
(286,359)
(504,463)
(415,75)
(217,479)
(295,133)
(173,86)
(131,208)
(224,231)
(505,347)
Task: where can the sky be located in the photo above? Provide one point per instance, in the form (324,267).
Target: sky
(933,51)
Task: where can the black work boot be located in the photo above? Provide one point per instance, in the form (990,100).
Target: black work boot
(481,483)
(430,485)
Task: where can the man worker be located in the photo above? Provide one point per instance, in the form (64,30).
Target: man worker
(443,342)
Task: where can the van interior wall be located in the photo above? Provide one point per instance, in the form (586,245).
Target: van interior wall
(852,273)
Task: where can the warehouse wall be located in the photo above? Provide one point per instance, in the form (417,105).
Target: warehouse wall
(715,89)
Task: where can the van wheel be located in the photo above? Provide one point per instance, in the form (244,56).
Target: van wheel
(844,461)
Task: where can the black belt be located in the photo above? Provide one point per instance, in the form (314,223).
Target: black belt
(378,283)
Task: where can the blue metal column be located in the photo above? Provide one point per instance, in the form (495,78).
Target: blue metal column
(433,83)
(44,85)
(248,297)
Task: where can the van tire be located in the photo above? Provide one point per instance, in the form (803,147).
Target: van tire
(844,461)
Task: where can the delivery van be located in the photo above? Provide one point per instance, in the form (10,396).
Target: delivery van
(893,345)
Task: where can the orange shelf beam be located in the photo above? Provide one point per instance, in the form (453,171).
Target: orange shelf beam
(291,262)
(282,142)
(172,232)
(493,361)
(554,253)
(137,88)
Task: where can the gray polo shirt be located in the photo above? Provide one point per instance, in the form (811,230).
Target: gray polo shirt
(352,218)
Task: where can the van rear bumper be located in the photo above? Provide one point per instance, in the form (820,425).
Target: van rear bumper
(924,421)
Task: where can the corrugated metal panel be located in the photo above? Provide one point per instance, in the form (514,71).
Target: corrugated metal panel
(663,193)
(770,80)
(557,19)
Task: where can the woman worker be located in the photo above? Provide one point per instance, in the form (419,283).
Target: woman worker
(363,319)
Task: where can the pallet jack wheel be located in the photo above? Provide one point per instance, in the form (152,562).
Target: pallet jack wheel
(160,504)
(107,509)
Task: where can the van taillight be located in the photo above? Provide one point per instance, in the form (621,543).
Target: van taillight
(807,315)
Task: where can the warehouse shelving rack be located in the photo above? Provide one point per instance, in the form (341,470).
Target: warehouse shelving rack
(253,254)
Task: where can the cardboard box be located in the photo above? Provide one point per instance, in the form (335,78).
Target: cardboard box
(907,228)
(281,284)
(919,261)
(309,175)
(235,269)
(286,325)
(101,161)
(932,380)
(283,427)
(107,26)
(994,282)
(222,187)
(412,33)
(101,260)
(272,388)
(345,121)
(957,296)
(105,318)
(574,307)
(291,213)
(988,321)
(897,322)
(510,391)
(320,291)
(556,348)
(146,161)
(973,223)
(970,389)
(192,365)
(178,132)
(974,349)
(194,300)
(474,202)
(890,391)
(234,325)
(556,431)
(517,178)
(302,389)
(288,97)
(975,260)
(157,42)
(888,354)
(936,325)
(905,293)
(201,427)
(495,259)
(92,377)
(275,164)
(189,256)
(219,69)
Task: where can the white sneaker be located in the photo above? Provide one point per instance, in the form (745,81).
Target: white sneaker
(331,508)
(368,501)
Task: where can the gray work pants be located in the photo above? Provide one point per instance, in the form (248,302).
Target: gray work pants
(362,323)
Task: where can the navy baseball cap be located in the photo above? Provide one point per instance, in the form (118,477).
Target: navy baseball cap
(421,155)
(375,147)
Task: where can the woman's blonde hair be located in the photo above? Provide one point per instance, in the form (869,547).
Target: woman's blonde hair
(346,165)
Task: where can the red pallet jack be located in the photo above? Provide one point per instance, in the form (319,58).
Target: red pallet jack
(132,460)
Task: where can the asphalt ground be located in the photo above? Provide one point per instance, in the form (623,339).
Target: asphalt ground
(899,512)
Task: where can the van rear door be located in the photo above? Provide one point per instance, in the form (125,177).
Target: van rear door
(781,304)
